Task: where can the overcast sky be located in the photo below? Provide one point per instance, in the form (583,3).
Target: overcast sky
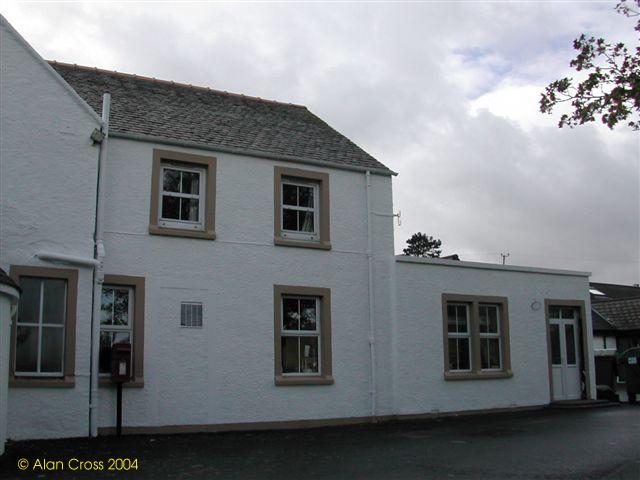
(444,93)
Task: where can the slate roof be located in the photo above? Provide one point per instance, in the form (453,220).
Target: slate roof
(622,314)
(599,323)
(613,291)
(211,118)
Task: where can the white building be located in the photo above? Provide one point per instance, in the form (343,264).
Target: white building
(247,253)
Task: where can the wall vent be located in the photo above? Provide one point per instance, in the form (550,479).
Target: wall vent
(191,315)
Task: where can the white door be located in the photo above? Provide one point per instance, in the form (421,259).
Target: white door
(565,353)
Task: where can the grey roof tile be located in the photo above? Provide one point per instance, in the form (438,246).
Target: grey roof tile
(622,314)
(158,108)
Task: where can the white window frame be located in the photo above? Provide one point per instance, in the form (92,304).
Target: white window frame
(121,328)
(486,335)
(303,333)
(467,335)
(201,197)
(296,234)
(40,325)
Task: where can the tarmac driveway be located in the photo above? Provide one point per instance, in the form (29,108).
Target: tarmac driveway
(550,443)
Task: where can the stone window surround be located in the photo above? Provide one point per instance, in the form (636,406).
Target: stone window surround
(186,159)
(324,243)
(68,378)
(137,367)
(473,301)
(325,377)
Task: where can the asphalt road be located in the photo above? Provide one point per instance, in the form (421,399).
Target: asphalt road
(598,443)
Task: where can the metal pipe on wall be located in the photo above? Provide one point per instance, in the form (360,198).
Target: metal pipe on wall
(372,351)
(98,272)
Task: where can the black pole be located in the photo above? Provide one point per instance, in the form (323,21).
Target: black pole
(119,410)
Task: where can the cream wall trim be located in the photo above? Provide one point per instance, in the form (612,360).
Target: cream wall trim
(325,211)
(251,153)
(476,372)
(68,380)
(137,369)
(301,424)
(209,163)
(326,373)
(51,71)
(583,335)
(488,266)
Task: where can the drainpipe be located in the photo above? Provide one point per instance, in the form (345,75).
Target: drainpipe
(372,351)
(98,272)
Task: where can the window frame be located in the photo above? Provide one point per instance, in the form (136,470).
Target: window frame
(323,324)
(457,335)
(188,225)
(206,167)
(65,379)
(473,303)
(313,236)
(137,285)
(322,237)
(119,328)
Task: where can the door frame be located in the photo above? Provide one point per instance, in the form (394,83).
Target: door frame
(584,351)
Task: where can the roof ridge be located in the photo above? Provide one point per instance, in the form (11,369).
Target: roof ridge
(173,83)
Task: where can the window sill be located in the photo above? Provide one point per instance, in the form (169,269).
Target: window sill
(179,232)
(35,382)
(281,380)
(284,242)
(136,383)
(477,375)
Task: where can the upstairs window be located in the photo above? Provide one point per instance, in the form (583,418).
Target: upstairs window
(182,195)
(182,199)
(301,213)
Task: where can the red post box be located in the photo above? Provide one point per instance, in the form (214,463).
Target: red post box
(121,362)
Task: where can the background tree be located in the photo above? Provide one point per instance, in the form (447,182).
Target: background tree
(422,245)
(611,89)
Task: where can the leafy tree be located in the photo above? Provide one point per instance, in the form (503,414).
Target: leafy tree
(611,89)
(422,245)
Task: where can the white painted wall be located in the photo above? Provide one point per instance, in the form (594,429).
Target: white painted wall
(420,385)
(47,200)
(224,372)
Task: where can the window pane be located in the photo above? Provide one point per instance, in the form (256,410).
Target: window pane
(459,354)
(26,349)
(53,309)
(171,207)
(568,312)
(306,221)
(309,352)
(189,208)
(121,307)
(307,314)
(290,315)
(489,319)
(191,183)
(571,344)
(171,180)
(305,198)
(290,358)
(555,344)
(290,220)
(52,349)
(554,312)
(289,194)
(105,352)
(29,309)
(106,309)
(490,353)
(457,318)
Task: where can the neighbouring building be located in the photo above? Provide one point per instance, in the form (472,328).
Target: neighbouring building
(615,310)
(245,250)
